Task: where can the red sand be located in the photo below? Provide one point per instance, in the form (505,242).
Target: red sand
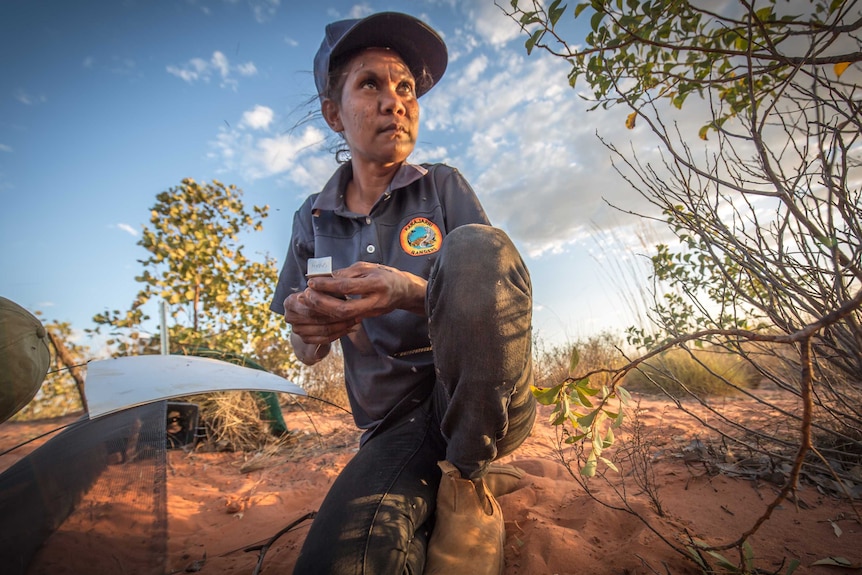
(217,508)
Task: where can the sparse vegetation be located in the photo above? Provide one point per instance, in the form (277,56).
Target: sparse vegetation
(324,382)
(59,394)
(680,373)
(764,203)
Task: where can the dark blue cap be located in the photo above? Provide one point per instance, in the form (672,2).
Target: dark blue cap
(421,48)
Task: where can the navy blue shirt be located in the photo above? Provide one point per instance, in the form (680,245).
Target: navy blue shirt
(404,230)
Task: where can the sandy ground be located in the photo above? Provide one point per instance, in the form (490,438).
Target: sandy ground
(222,504)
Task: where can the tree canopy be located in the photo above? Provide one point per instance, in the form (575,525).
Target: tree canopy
(768,218)
(218,296)
(745,53)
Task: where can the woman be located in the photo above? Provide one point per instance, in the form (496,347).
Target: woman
(432,306)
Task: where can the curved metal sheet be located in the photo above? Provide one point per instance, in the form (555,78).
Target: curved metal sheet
(119,383)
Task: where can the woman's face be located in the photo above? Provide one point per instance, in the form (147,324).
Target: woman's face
(378,114)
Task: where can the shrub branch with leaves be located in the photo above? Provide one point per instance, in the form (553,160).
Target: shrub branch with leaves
(764,198)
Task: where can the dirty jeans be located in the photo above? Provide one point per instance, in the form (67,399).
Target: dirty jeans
(378,514)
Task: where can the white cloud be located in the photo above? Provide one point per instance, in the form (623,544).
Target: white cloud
(254,157)
(128,229)
(531,147)
(271,156)
(193,71)
(258,118)
(29,99)
(491,24)
(309,175)
(264,10)
(247,69)
(200,70)
(437,154)
(220,63)
(5,148)
(360,11)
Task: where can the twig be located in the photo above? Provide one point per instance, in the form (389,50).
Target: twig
(265,546)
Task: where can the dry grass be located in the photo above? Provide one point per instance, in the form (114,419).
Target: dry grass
(598,352)
(703,373)
(232,421)
(325,381)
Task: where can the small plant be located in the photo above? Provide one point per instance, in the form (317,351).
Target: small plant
(592,413)
(698,549)
(636,452)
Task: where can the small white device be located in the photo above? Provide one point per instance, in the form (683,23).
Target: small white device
(319,267)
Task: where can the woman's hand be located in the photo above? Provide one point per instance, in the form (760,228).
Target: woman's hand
(314,317)
(372,290)
(332,307)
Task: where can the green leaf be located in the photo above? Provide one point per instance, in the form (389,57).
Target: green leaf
(596,21)
(587,420)
(574,359)
(580,8)
(529,18)
(548,395)
(584,385)
(723,561)
(575,438)
(836,561)
(531,41)
(623,394)
(597,445)
(589,469)
(764,14)
(748,555)
(609,438)
(554,12)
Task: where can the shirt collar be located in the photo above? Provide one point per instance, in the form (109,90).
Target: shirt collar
(331,197)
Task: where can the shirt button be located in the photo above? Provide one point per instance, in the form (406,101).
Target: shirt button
(370,249)
(368,220)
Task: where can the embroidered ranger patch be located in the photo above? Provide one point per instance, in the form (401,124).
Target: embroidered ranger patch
(420,237)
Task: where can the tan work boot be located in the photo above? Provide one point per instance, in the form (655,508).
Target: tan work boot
(468,533)
(503,479)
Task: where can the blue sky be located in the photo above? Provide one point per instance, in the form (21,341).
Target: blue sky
(105,103)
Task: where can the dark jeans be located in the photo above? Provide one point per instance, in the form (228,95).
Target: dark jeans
(377,516)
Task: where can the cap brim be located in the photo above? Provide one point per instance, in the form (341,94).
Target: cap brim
(421,48)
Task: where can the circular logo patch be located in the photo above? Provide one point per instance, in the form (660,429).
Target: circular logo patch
(420,237)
